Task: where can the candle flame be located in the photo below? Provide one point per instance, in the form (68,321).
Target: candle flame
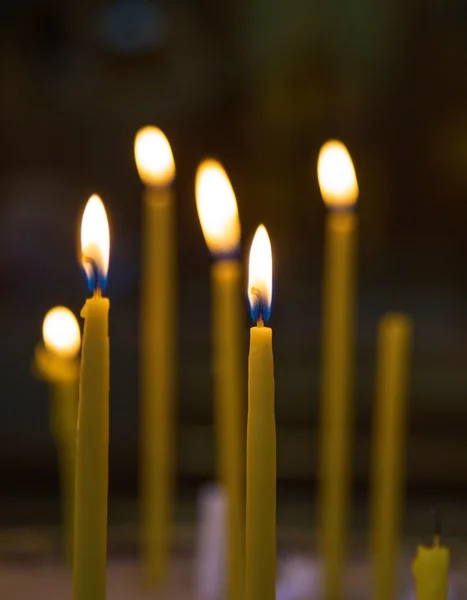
(61,333)
(95,243)
(154,158)
(260,275)
(336,175)
(217,208)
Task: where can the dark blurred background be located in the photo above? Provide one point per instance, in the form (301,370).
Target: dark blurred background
(260,87)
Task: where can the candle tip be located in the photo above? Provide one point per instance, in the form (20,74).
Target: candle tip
(336,176)
(153,156)
(258,308)
(95,243)
(260,276)
(94,276)
(61,333)
(217,209)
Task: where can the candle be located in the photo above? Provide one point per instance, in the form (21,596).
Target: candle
(217,210)
(92,450)
(260,552)
(431,571)
(56,362)
(339,190)
(394,349)
(156,169)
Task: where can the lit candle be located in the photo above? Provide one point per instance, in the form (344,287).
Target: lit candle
(260,552)
(389,432)
(431,571)
(56,362)
(217,210)
(156,169)
(92,450)
(339,190)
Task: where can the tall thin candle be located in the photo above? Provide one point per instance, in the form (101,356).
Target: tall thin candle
(56,362)
(92,451)
(260,552)
(217,209)
(156,169)
(339,189)
(389,432)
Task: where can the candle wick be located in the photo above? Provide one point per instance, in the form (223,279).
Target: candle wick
(257,292)
(93,276)
(437,528)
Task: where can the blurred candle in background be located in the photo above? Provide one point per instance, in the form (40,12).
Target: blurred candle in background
(260,549)
(211,544)
(92,450)
(218,214)
(339,189)
(430,569)
(156,168)
(56,362)
(389,434)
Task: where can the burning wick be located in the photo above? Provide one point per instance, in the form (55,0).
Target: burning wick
(93,276)
(95,244)
(257,292)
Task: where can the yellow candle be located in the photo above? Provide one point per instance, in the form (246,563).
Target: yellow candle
(156,169)
(92,450)
(339,190)
(389,432)
(260,553)
(431,571)
(217,209)
(56,363)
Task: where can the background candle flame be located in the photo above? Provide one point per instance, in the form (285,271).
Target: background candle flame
(154,158)
(336,175)
(217,208)
(260,275)
(61,333)
(95,243)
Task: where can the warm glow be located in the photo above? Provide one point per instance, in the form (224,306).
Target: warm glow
(260,275)
(95,242)
(154,158)
(217,208)
(336,175)
(61,333)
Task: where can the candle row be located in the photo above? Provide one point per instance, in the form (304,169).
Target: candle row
(251,515)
